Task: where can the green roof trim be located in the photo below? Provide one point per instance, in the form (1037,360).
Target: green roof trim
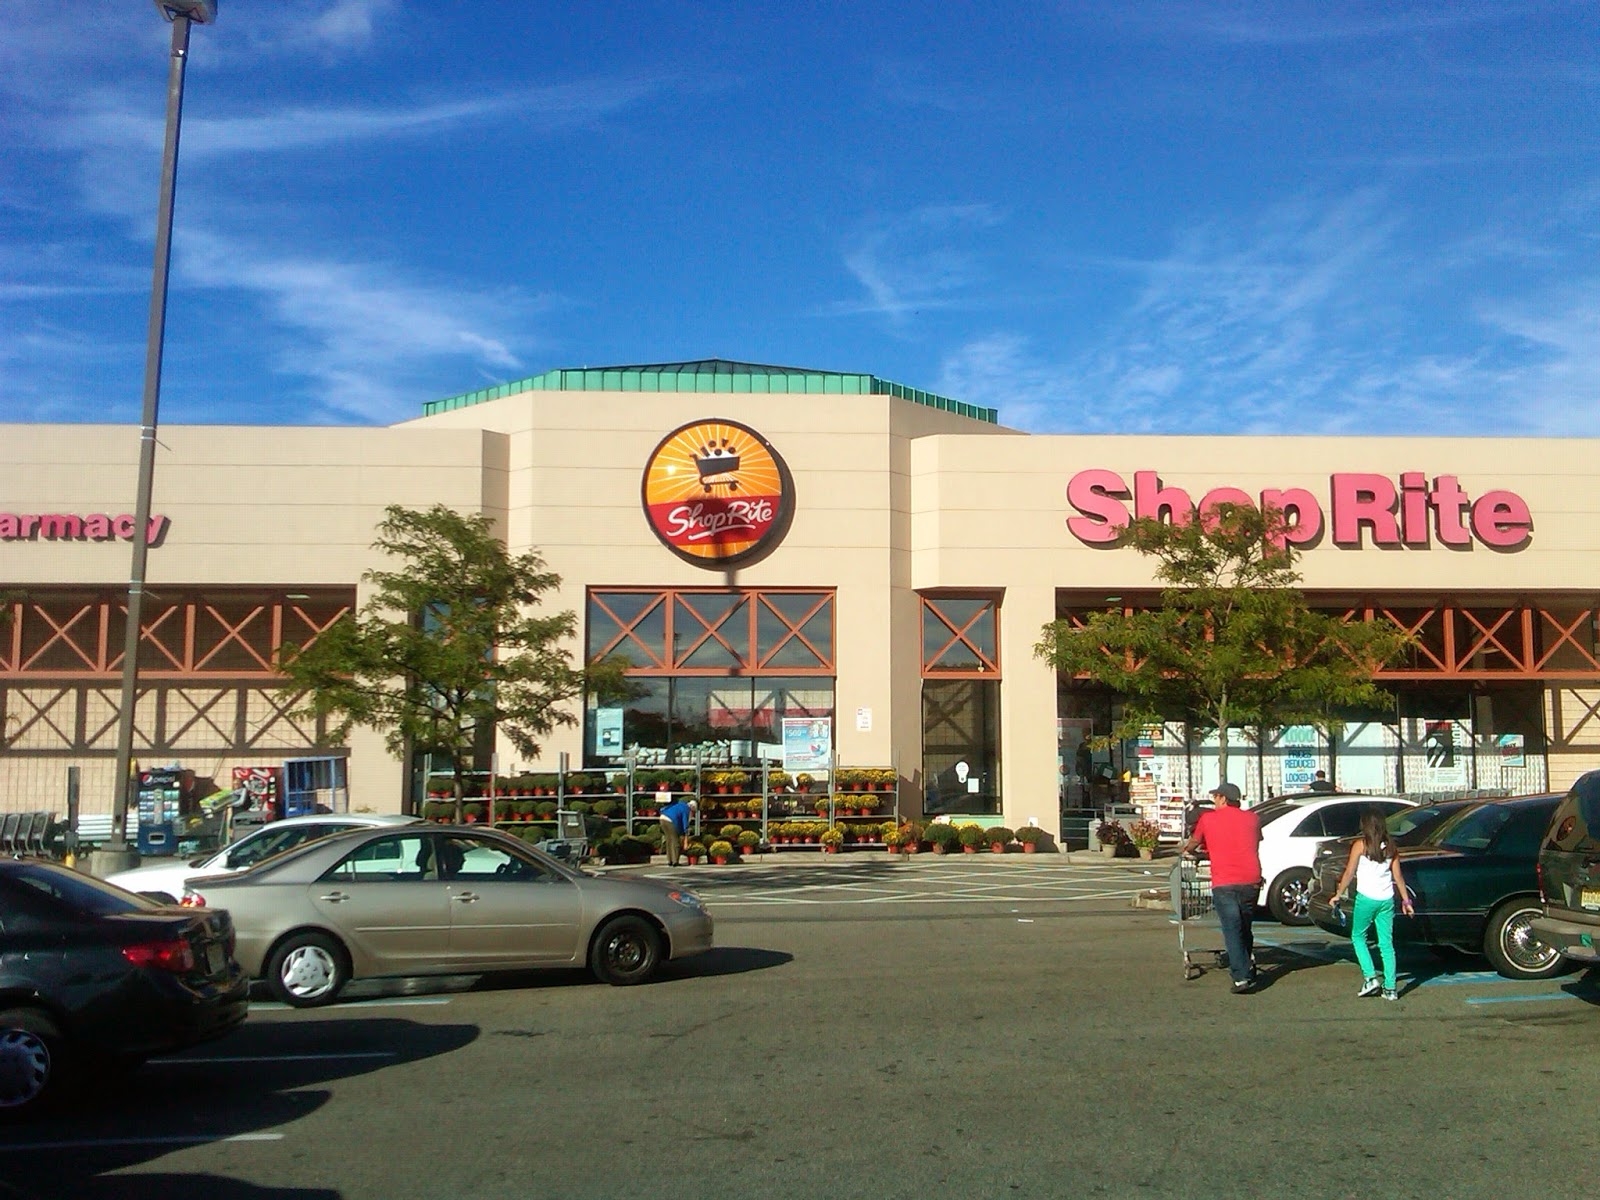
(712,375)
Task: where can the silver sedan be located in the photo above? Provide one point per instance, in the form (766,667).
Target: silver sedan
(435,900)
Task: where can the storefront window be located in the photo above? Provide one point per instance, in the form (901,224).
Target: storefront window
(711,672)
(961,745)
(697,718)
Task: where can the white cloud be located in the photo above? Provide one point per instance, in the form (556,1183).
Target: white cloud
(916,261)
(358,332)
(1316,318)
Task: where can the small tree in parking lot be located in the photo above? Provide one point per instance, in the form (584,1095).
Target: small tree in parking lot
(449,646)
(1232,643)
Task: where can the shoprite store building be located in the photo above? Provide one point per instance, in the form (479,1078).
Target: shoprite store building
(764,543)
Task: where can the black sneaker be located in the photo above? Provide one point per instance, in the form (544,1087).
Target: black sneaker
(1243,987)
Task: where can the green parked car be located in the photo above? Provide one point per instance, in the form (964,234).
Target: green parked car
(1474,882)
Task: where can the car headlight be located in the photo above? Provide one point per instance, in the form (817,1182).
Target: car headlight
(688,899)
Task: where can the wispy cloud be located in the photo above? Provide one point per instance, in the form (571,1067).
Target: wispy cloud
(104,121)
(1314,319)
(1293,22)
(349,335)
(916,261)
(910,85)
(357,332)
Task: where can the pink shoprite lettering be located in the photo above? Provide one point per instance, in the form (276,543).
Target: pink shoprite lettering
(1411,510)
(76,527)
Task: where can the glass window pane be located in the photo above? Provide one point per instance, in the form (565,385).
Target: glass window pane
(726,615)
(942,616)
(961,745)
(647,639)
(644,723)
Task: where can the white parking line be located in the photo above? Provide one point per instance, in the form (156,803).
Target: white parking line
(272,1058)
(276,1006)
(178,1139)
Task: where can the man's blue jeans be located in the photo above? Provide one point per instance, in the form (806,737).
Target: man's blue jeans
(1236,908)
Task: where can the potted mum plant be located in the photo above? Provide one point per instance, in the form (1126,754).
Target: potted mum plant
(971,837)
(721,851)
(832,838)
(1111,836)
(999,838)
(943,837)
(1030,836)
(1146,836)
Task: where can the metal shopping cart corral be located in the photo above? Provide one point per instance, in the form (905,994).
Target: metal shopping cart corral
(1191,902)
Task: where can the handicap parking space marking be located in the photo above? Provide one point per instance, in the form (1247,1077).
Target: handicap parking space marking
(1536,997)
(1332,952)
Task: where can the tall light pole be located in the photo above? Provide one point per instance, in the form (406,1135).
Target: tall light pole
(182,14)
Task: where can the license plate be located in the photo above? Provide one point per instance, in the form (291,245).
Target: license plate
(1590,897)
(216,959)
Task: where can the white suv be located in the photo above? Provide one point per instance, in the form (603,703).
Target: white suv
(1291,828)
(167,878)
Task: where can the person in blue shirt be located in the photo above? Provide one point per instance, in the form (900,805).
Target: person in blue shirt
(674,824)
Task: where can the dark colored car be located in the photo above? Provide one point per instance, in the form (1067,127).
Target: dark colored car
(90,973)
(1407,827)
(1474,882)
(1569,874)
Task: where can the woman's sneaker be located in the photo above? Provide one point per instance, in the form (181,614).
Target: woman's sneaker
(1390,994)
(1368,988)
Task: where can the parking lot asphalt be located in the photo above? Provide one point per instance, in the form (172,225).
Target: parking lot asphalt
(959,881)
(869,1047)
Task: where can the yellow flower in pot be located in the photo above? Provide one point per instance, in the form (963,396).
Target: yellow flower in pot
(1146,836)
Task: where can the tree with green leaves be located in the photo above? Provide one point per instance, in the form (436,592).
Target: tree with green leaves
(448,646)
(1232,643)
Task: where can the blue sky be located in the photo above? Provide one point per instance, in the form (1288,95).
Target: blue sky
(1154,216)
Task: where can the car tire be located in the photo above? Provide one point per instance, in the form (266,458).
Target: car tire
(626,951)
(1511,948)
(308,970)
(32,1061)
(1289,897)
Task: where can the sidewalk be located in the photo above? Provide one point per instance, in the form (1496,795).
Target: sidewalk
(781,859)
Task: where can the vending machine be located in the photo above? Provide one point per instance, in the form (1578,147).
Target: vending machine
(162,794)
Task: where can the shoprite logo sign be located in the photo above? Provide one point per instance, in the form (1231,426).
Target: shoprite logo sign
(1410,511)
(76,527)
(716,493)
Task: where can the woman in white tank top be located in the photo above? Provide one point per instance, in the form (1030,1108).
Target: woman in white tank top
(1376,868)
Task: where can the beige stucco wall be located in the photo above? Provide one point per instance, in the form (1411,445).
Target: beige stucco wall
(890,497)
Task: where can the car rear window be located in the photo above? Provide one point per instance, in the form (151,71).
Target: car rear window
(74,892)
(1575,825)
(1476,828)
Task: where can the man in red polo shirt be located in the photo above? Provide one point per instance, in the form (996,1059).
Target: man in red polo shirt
(1231,837)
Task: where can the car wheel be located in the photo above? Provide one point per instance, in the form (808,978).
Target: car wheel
(627,950)
(30,1061)
(1511,947)
(307,970)
(1289,898)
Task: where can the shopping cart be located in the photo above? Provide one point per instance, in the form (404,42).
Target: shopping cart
(1191,900)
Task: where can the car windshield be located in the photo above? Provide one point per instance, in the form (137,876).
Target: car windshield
(1406,819)
(1473,828)
(77,892)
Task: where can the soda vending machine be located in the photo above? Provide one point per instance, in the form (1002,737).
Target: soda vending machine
(161,796)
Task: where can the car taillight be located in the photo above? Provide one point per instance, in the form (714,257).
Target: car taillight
(193,900)
(175,956)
